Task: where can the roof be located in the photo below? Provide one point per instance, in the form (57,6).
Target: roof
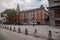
(32,10)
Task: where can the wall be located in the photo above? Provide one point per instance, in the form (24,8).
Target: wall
(38,16)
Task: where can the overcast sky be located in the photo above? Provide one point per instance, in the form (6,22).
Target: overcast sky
(24,4)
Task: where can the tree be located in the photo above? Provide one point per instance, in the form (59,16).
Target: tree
(11,15)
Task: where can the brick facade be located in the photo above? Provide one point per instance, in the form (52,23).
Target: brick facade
(32,16)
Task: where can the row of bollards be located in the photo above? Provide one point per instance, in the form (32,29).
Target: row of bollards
(19,29)
(14,29)
(26,31)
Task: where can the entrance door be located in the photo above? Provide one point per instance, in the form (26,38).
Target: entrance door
(38,23)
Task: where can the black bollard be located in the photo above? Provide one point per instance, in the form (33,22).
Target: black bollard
(5,27)
(19,30)
(14,30)
(35,31)
(26,31)
(10,28)
(50,35)
(0,26)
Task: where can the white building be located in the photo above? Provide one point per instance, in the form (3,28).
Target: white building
(3,19)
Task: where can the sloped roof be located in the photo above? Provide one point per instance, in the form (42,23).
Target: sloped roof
(32,10)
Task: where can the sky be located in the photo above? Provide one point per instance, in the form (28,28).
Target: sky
(24,4)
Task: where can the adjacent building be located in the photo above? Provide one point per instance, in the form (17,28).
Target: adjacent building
(54,12)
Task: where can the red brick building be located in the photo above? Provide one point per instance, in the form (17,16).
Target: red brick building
(33,16)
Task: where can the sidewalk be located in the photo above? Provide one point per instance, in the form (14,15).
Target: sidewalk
(9,35)
(42,32)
